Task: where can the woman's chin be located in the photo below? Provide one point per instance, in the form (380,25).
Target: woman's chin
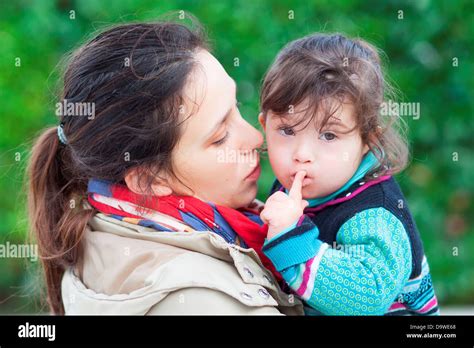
(245,198)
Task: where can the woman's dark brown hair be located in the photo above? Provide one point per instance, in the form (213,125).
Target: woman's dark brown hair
(133,75)
(322,71)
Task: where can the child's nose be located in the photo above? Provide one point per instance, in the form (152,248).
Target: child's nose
(303,154)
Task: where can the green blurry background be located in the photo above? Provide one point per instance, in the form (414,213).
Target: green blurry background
(429,59)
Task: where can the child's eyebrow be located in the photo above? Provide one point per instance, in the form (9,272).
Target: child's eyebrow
(284,118)
(337,123)
(278,116)
(339,126)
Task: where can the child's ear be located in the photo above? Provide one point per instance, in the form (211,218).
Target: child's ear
(160,188)
(261,119)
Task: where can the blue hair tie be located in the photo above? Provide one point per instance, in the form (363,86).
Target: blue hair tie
(61,135)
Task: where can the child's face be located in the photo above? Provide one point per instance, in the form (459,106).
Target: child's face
(330,157)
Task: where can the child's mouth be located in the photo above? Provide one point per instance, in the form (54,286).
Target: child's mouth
(306,181)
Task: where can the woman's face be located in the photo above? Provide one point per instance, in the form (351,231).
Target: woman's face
(216,156)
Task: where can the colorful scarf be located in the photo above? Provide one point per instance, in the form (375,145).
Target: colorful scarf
(242,227)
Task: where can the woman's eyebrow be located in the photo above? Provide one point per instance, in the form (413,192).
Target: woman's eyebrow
(224,118)
(220,123)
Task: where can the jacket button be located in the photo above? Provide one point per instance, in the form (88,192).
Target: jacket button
(248,271)
(245,296)
(348,194)
(264,293)
(268,279)
(361,183)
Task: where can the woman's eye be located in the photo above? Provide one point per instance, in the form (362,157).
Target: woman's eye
(327,136)
(222,140)
(286,131)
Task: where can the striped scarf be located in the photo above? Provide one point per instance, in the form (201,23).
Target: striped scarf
(170,213)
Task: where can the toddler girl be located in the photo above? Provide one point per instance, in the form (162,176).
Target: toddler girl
(339,229)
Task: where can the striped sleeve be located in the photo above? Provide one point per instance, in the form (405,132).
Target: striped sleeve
(361,275)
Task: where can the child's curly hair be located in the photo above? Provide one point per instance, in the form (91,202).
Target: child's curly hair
(322,71)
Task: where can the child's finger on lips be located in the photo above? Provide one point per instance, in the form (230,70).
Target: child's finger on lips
(295,190)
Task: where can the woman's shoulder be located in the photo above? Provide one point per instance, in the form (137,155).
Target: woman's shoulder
(140,264)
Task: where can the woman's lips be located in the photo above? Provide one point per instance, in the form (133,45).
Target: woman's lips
(255,174)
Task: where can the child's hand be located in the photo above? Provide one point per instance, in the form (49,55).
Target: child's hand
(282,210)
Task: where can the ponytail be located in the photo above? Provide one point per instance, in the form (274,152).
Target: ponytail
(126,120)
(56,216)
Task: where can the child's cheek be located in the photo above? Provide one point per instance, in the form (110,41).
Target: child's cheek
(280,158)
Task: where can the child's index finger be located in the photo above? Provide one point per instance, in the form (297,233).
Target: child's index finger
(295,190)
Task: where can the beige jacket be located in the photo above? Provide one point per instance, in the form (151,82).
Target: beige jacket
(134,270)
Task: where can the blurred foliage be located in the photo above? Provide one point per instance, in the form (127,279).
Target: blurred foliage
(421,49)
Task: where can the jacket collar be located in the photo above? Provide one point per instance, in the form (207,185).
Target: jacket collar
(103,231)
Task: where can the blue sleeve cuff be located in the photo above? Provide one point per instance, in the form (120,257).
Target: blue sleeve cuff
(293,225)
(295,246)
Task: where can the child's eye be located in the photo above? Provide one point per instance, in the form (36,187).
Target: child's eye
(286,131)
(327,136)
(222,140)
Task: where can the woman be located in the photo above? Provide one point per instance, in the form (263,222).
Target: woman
(147,160)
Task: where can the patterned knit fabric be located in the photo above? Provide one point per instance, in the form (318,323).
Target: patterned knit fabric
(358,254)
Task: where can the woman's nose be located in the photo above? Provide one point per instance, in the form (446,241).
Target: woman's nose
(254,139)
